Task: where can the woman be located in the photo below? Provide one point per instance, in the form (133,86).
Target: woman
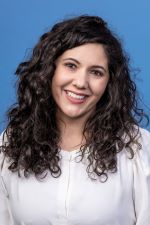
(73,152)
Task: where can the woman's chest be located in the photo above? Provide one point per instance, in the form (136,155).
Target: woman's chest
(72,199)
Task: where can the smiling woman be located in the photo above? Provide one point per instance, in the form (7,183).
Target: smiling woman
(75,127)
(80,79)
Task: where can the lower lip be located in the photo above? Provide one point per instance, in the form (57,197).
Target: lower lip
(75,101)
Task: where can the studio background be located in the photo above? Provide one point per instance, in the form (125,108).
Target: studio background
(23,22)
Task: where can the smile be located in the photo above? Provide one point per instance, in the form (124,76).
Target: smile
(75,96)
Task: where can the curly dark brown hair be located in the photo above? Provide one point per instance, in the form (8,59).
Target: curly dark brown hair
(32,132)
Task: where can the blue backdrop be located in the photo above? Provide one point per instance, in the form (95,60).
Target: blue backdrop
(22,23)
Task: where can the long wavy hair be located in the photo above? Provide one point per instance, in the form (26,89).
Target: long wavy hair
(32,132)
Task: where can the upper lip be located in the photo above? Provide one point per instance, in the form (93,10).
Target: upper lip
(77,93)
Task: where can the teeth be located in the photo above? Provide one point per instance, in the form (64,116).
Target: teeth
(73,95)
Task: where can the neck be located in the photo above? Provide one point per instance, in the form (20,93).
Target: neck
(71,131)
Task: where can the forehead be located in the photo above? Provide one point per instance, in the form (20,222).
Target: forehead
(88,53)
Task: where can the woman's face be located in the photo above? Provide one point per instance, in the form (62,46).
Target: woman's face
(79,81)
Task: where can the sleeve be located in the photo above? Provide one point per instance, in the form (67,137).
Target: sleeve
(5,218)
(141,168)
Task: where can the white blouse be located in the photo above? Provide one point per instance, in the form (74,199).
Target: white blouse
(75,199)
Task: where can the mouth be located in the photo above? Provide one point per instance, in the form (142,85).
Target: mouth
(76,97)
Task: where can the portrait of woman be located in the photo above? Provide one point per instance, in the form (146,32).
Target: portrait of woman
(73,152)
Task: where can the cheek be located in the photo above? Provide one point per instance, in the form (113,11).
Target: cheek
(59,82)
(55,85)
(60,79)
(56,82)
(100,87)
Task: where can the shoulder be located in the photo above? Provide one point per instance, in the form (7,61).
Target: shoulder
(142,156)
(3,138)
(144,138)
(3,141)
(141,139)
(144,133)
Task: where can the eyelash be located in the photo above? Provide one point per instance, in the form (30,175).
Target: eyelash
(73,66)
(97,73)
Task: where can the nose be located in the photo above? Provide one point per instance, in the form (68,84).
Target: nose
(81,80)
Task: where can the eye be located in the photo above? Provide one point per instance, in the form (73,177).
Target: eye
(97,73)
(71,66)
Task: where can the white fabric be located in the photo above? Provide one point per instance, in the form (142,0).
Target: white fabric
(74,199)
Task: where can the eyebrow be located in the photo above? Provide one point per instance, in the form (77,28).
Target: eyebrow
(93,66)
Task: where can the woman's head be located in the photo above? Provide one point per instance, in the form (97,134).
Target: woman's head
(34,133)
(66,35)
(80,79)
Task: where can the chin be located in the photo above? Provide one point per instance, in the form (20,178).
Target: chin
(74,115)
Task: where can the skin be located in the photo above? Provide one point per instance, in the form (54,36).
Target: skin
(83,71)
